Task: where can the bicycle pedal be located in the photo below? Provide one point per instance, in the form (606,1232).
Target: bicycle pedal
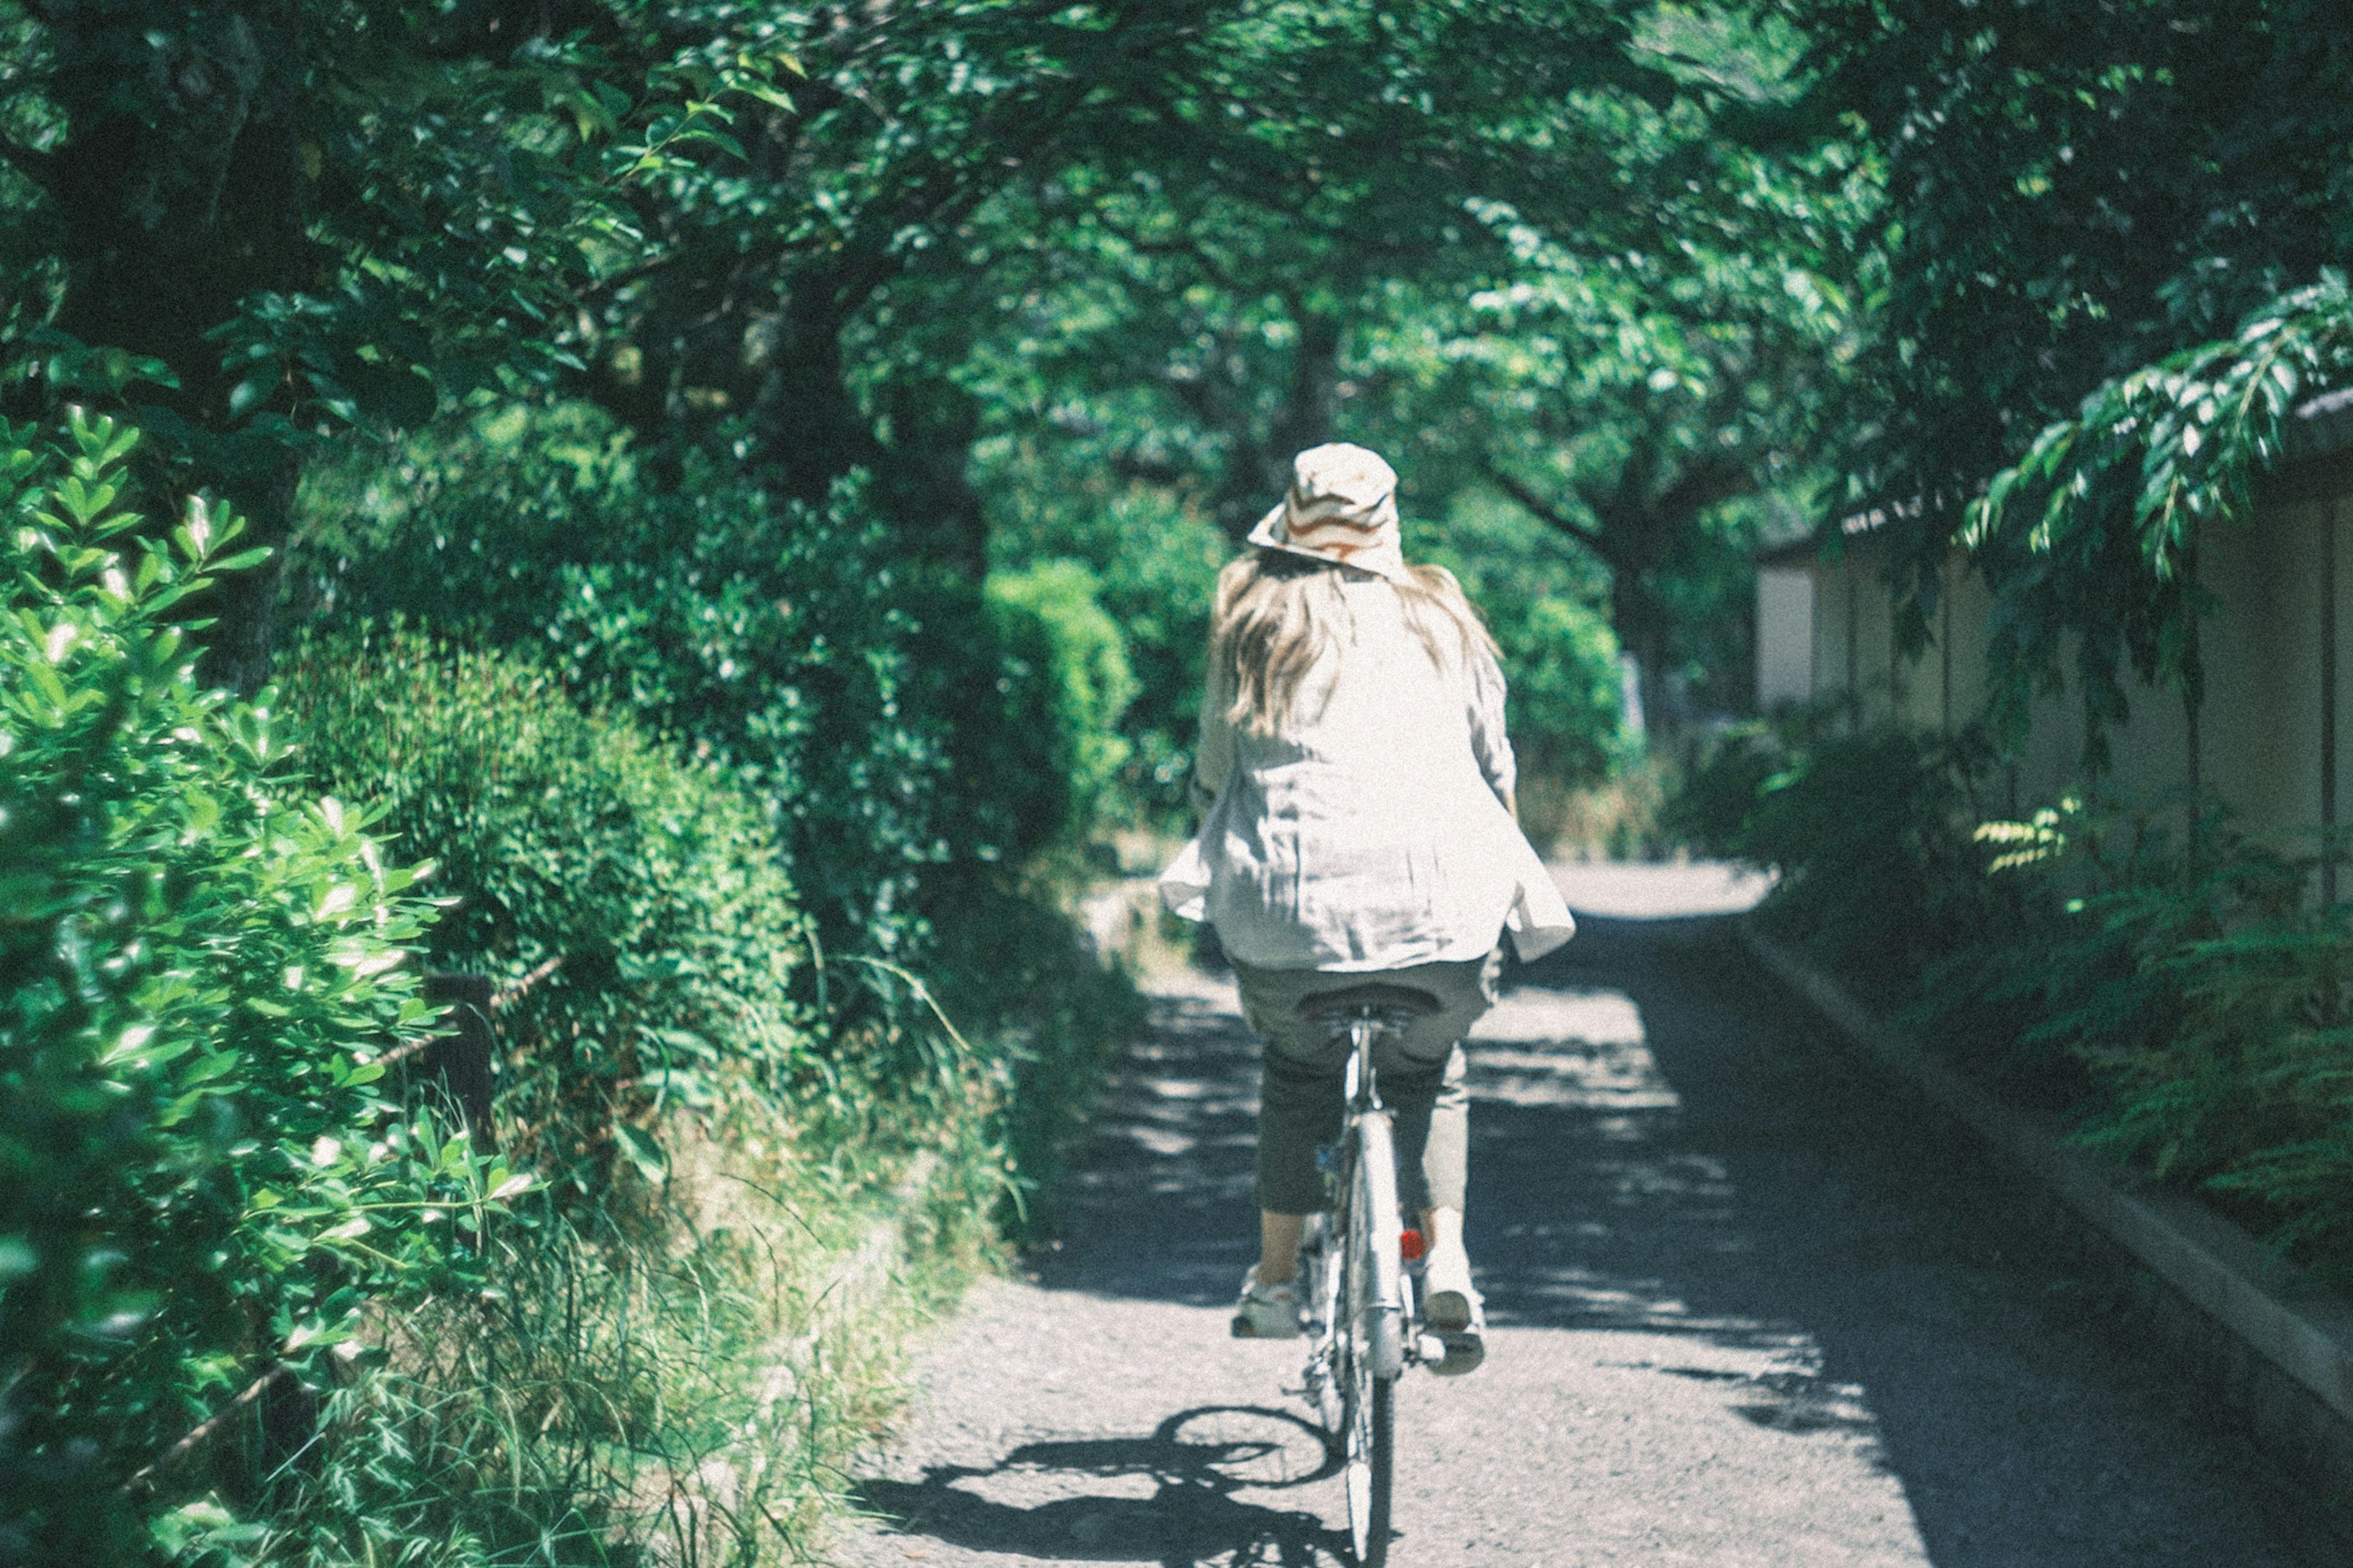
(1464,1352)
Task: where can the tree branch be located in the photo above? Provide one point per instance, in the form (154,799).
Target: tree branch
(39,168)
(1545,512)
(1703,484)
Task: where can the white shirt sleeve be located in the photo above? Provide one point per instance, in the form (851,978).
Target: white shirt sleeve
(1213,757)
(1488,740)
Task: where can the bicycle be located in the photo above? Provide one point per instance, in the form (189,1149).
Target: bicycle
(1363,1326)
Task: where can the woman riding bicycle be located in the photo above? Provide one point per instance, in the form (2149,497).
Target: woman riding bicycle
(1357,822)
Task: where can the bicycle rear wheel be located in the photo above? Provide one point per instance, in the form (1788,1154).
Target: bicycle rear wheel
(1370,1340)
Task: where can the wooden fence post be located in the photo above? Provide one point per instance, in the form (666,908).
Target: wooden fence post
(460,1056)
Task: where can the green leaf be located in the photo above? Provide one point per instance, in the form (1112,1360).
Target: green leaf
(641,1151)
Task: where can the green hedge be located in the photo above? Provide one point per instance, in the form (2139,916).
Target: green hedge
(892,716)
(926,748)
(633,905)
(721,1123)
(1065,685)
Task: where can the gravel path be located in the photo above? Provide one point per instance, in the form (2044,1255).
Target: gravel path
(1749,1306)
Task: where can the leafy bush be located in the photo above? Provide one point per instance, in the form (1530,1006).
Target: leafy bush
(724,1122)
(796,650)
(1871,835)
(2176,999)
(201,971)
(2201,1001)
(1715,801)
(772,637)
(1154,561)
(633,906)
(1066,683)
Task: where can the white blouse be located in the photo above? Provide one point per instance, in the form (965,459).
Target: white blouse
(1370,833)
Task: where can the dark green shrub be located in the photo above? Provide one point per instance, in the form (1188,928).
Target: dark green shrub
(200,1177)
(2188,1011)
(1714,803)
(634,905)
(2201,1001)
(1873,837)
(779,644)
(771,637)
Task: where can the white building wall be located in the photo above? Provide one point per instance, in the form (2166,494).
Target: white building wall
(2273,739)
(1784,635)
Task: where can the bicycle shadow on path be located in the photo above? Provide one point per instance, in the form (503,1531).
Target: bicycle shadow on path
(1193,1464)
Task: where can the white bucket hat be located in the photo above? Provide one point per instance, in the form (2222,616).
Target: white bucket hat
(1342,508)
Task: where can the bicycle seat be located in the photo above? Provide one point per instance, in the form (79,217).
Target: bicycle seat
(1332,1006)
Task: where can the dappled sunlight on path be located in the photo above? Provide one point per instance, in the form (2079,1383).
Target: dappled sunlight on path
(1747,1310)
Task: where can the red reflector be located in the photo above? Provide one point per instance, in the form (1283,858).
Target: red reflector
(1410,1243)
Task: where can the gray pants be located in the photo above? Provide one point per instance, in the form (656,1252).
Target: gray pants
(1418,1073)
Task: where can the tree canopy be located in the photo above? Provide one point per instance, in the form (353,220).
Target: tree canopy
(812,239)
(2109,229)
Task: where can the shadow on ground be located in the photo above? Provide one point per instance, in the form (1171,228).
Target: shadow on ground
(1688,1155)
(1175,1506)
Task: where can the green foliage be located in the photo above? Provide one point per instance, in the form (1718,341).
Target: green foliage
(1593,299)
(686,1386)
(201,971)
(2076,190)
(992,155)
(775,637)
(1712,807)
(2200,999)
(1155,561)
(783,644)
(1066,684)
(1055,1016)
(2091,539)
(379,268)
(1539,596)
(1871,834)
(633,905)
(2174,996)
(1661,402)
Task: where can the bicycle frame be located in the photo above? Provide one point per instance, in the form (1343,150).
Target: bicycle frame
(1363,1326)
(1367,1135)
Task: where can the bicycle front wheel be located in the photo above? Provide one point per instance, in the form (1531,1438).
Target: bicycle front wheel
(1370,1338)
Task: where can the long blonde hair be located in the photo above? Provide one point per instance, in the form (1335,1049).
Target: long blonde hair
(1276,613)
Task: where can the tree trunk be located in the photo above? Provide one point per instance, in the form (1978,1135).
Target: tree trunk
(1259,474)
(180,194)
(1641,622)
(811,428)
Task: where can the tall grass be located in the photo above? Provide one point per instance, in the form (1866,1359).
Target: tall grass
(680,1377)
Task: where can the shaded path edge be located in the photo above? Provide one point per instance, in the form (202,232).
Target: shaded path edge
(2246,1327)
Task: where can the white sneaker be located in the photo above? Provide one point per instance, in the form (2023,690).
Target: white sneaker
(1266,1311)
(1455,1313)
